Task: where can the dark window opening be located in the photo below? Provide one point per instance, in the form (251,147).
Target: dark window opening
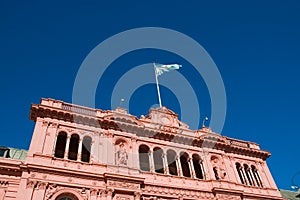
(171,159)
(239,170)
(60,145)
(185,165)
(158,160)
(86,149)
(73,147)
(144,158)
(198,166)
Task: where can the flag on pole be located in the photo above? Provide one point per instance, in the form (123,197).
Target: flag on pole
(166,68)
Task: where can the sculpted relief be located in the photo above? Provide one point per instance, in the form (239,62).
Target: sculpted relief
(218,168)
(121,154)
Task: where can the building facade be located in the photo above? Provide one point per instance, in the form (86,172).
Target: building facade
(79,153)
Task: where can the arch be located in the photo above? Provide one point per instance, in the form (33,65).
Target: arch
(158,160)
(171,159)
(256,176)
(248,175)
(66,192)
(73,147)
(60,146)
(66,197)
(240,173)
(198,166)
(184,157)
(144,157)
(86,149)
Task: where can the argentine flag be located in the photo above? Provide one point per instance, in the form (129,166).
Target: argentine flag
(160,69)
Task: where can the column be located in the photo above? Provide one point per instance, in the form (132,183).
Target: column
(39,135)
(94,193)
(135,153)
(192,169)
(50,140)
(39,191)
(252,177)
(151,161)
(67,147)
(179,170)
(93,149)
(244,175)
(109,193)
(2,193)
(102,194)
(165,162)
(30,185)
(79,149)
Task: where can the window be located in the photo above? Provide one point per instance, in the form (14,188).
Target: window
(144,158)
(185,165)
(60,145)
(73,147)
(240,173)
(171,159)
(86,149)
(158,160)
(248,175)
(256,176)
(198,166)
(66,197)
(4,152)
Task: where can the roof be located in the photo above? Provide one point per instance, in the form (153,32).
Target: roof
(290,195)
(14,153)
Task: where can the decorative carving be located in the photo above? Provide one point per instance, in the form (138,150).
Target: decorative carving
(218,168)
(52,188)
(3,183)
(94,192)
(121,155)
(31,184)
(84,193)
(41,185)
(227,197)
(137,195)
(121,184)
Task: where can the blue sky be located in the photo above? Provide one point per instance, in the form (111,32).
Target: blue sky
(255,45)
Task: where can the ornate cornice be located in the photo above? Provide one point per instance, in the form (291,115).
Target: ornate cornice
(111,120)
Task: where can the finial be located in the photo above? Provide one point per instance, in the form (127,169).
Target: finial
(121,102)
(203,122)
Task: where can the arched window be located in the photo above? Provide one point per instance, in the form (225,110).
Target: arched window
(171,159)
(144,158)
(86,149)
(248,175)
(158,160)
(256,176)
(73,147)
(198,166)
(185,165)
(60,146)
(240,173)
(66,197)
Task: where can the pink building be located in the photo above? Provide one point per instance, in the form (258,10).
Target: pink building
(79,153)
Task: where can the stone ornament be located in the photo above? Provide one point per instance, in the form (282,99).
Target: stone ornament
(121,155)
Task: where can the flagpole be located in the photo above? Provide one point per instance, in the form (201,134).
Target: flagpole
(157,86)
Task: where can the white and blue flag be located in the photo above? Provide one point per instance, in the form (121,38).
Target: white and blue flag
(160,69)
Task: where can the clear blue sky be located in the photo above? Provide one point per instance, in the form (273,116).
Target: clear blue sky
(255,45)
